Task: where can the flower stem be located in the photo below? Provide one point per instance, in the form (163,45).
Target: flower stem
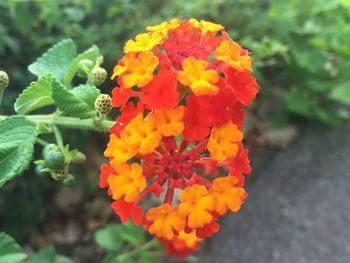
(138,250)
(69,122)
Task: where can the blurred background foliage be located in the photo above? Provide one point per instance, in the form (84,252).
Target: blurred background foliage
(300,49)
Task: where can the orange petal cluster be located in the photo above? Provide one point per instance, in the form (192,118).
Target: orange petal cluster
(181,92)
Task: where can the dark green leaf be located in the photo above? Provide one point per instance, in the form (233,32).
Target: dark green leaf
(37,95)
(49,255)
(56,60)
(78,102)
(10,251)
(17,138)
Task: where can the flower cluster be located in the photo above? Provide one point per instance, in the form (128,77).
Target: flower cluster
(182,89)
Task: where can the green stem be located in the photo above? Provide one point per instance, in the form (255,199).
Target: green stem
(41,142)
(58,137)
(138,250)
(1,93)
(69,122)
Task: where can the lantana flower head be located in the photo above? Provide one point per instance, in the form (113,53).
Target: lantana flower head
(181,90)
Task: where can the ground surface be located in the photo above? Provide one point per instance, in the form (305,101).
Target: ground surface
(298,209)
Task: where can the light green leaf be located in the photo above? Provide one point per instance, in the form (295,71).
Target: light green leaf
(17,138)
(10,251)
(149,257)
(109,238)
(78,102)
(92,54)
(37,95)
(56,60)
(341,93)
(113,258)
(132,234)
(49,255)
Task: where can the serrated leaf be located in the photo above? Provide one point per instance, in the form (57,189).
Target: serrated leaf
(49,255)
(10,251)
(109,238)
(92,54)
(37,95)
(56,60)
(17,138)
(341,93)
(78,102)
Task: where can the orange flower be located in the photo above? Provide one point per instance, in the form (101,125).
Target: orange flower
(136,69)
(231,53)
(227,195)
(206,26)
(164,27)
(118,150)
(143,42)
(142,134)
(128,182)
(169,122)
(197,77)
(165,219)
(223,141)
(196,204)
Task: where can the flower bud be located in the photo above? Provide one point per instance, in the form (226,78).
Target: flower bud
(79,158)
(103,104)
(97,76)
(4,79)
(59,174)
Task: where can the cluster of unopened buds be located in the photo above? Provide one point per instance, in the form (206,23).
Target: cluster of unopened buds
(182,89)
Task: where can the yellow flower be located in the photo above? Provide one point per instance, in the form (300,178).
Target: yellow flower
(165,219)
(196,204)
(196,76)
(118,150)
(128,182)
(227,195)
(164,27)
(169,122)
(223,141)
(206,26)
(136,69)
(143,42)
(230,52)
(142,134)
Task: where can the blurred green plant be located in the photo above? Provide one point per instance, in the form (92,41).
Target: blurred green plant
(11,252)
(300,47)
(126,243)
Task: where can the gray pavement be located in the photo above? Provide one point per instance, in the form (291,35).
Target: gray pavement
(298,208)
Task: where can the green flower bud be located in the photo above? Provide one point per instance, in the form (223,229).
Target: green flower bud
(54,159)
(79,158)
(69,180)
(4,79)
(97,76)
(49,148)
(60,174)
(103,104)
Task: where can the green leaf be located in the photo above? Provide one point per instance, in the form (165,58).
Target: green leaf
(10,251)
(341,93)
(37,95)
(17,138)
(149,257)
(109,238)
(92,54)
(132,234)
(56,60)
(49,255)
(300,103)
(113,258)
(78,102)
